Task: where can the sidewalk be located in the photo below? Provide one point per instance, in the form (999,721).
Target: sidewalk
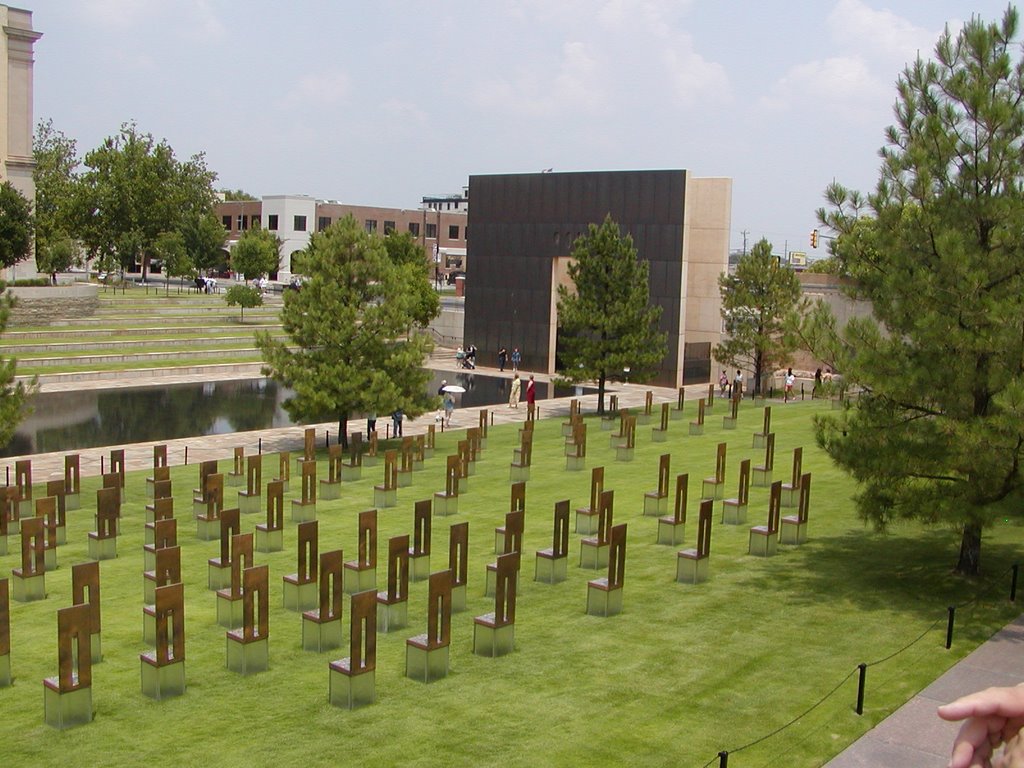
(139,456)
(913,736)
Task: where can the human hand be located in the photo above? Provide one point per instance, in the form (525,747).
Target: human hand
(992,717)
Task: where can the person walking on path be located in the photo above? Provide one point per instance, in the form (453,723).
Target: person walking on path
(531,391)
(449,408)
(371,422)
(723,384)
(502,358)
(396,422)
(737,384)
(513,397)
(516,358)
(790,380)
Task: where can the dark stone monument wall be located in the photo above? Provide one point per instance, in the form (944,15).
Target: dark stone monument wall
(519,223)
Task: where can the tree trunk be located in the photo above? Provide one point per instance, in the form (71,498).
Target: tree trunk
(969,563)
(343,430)
(600,394)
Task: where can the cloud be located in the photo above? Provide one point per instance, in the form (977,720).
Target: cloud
(840,84)
(320,89)
(575,85)
(404,112)
(854,25)
(871,46)
(617,47)
(191,19)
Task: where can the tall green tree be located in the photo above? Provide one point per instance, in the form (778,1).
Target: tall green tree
(348,349)
(938,249)
(244,297)
(56,158)
(134,188)
(170,248)
(407,255)
(756,303)
(256,253)
(204,237)
(16,226)
(606,323)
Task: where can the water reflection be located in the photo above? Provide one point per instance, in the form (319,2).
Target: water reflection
(65,421)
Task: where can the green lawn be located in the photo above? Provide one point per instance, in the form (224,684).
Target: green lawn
(683,672)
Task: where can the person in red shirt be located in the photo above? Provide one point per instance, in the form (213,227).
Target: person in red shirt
(531,391)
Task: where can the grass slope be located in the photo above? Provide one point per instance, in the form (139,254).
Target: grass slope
(682,673)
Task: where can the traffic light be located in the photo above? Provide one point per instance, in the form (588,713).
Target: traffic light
(814,238)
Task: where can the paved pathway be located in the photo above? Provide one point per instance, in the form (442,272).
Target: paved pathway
(912,737)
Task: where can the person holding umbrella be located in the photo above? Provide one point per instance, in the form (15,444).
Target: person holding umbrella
(449,391)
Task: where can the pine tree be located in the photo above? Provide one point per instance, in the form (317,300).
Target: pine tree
(938,249)
(352,346)
(606,323)
(756,304)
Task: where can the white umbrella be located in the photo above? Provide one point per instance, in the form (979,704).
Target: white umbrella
(453,388)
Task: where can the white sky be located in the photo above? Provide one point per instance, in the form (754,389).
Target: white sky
(383,102)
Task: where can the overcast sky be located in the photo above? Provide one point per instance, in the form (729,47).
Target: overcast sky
(383,102)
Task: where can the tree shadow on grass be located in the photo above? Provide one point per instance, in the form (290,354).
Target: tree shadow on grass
(877,572)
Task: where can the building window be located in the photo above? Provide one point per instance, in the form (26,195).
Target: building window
(255,222)
(465,234)
(389,227)
(226,221)
(272,222)
(243,222)
(323,223)
(414,228)
(432,230)
(371,225)
(300,224)
(453,231)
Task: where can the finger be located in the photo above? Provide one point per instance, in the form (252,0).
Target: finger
(972,747)
(1004,702)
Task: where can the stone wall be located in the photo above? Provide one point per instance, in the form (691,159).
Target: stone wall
(46,304)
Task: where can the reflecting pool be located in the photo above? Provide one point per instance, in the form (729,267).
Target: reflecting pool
(68,421)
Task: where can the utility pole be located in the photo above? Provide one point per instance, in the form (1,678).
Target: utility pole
(744,233)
